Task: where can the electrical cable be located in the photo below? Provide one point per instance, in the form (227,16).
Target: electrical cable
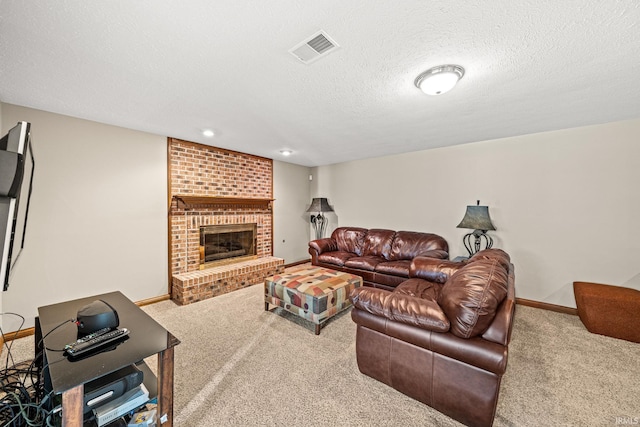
(22,391)
(49,333)
(15,335)
(18,404)
(23,401)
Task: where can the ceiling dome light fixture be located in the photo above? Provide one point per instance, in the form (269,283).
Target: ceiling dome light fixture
(208,133)
(286,152)
(440,79)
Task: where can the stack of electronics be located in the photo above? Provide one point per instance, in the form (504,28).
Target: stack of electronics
(115,395)
(108,398)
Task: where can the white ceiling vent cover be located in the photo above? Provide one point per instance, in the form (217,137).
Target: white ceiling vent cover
(314,48)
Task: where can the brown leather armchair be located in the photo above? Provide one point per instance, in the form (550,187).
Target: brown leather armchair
(441,337)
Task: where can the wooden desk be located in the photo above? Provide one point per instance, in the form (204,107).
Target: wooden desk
(68,377)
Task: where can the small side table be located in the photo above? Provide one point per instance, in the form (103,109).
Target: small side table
(146,338)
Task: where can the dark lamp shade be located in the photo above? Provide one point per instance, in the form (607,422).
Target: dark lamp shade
(477,218)
(320,204)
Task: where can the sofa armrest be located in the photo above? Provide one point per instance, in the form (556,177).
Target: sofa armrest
(317,247)
(499,330)
(422,313)
(323,245)
(433,269)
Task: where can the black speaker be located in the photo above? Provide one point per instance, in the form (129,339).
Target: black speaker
(95,316)
(11,173)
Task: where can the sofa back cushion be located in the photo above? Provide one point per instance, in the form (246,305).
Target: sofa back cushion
(472,295)
(350,239)
(410,244)
(377,242)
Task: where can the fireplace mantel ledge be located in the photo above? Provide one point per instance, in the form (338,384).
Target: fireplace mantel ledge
(189,201)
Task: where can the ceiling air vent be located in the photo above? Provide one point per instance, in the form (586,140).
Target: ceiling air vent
(314,48)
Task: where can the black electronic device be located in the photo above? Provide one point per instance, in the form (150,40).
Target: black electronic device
(11,173)
(85,347)
(17,167)
(111,386)
(95,316)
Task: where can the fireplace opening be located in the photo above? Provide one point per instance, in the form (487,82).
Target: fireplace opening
(225,244)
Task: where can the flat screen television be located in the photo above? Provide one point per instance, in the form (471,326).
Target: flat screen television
(17,166)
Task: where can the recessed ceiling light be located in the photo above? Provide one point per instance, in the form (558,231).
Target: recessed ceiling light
(208,133)
(286,152)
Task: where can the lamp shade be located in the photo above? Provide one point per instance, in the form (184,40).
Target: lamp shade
(477,218)
(320,204)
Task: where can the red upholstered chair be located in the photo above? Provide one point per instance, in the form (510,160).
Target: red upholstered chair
(609,310)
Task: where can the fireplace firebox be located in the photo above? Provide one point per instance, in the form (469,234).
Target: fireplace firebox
(226,244)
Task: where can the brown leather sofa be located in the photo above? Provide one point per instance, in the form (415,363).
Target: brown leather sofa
(441,336)
(381,257)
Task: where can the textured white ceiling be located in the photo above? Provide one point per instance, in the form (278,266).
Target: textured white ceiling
(176,67)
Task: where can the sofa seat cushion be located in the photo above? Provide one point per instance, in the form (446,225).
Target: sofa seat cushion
(472,295)
(364,262)
(419,288)
(335,257)
(397,268)
(402,308)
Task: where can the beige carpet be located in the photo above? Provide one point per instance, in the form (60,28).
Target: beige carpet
(239,365)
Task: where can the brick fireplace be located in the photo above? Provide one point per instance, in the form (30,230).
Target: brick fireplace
(215,187)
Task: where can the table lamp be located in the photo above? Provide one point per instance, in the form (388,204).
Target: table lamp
(477,218)
(319,221)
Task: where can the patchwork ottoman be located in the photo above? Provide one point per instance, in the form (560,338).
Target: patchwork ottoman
(313,293)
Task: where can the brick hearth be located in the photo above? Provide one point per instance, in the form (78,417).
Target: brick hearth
(202,284)
(213,173)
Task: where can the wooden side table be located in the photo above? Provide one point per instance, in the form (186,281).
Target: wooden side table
(68,377)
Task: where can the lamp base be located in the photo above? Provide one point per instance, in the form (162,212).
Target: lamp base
(319,225)
(477,243)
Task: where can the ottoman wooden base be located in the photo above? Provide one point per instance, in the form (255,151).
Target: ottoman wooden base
(315,293)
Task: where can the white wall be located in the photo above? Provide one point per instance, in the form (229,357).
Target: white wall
(564,203)
(291,192)
(98,215)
